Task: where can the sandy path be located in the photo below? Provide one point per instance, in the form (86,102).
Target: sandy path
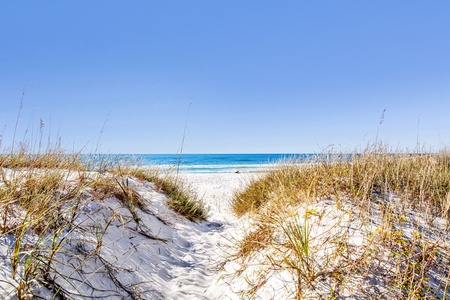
(217,191)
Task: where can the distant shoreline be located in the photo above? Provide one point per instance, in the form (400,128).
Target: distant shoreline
(203,163)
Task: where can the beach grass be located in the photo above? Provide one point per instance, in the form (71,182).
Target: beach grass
(421,180)
(52,159)
(41,196)
(181,198)
(373,224)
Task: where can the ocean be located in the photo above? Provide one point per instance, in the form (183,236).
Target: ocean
(210,163)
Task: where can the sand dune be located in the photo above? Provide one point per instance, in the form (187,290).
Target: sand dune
(161,256)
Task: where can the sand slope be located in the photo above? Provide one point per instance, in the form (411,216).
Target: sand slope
(158,255)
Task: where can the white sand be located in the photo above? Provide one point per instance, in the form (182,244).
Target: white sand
(164,256)
(180,262)
(217,191)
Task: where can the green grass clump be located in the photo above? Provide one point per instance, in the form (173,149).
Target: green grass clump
(181,198)
(182,201)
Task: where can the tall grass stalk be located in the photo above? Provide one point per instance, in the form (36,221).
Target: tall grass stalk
(17,122)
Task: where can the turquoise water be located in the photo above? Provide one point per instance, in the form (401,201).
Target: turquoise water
(218,163)
(211,163)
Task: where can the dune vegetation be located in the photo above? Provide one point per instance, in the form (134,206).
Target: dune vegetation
(373,225)
(43,206)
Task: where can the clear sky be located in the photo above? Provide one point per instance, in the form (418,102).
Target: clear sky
(238,76)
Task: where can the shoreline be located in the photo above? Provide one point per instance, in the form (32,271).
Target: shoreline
(213,169)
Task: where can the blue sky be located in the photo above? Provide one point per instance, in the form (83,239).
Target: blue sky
(239,76)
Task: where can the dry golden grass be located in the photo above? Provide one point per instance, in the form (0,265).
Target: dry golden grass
(42,195)
(52,159)
(182,198)
(375,225)
(420,179)
(39,198)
